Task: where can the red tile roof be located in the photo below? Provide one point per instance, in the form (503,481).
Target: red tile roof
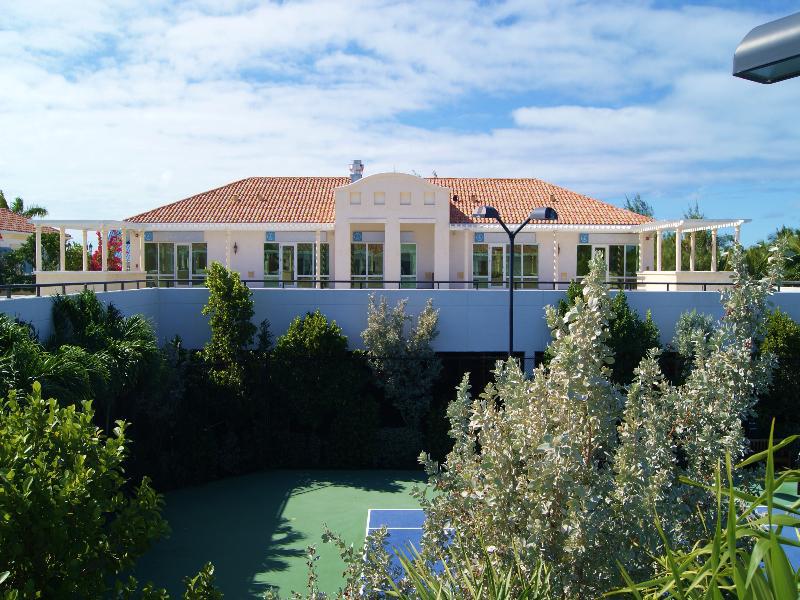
(311,200)
(11,221)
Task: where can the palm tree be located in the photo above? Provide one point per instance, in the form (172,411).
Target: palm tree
(18,206)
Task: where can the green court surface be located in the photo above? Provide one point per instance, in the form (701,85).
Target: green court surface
(255,528)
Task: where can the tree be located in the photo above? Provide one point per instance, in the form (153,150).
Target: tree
(114,252)
(638,205)
(567,466)
(323,403)
(229,311)
(69,525)
(406,367)
(18,206)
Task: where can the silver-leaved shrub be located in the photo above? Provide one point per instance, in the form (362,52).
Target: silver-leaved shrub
(567,468)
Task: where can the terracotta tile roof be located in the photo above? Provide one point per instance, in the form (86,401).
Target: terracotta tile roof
(11,221)
(255,200)
(311,200)
(514,199)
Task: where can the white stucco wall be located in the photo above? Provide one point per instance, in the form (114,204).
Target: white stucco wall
(470,320)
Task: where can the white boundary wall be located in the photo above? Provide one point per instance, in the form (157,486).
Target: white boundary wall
(470,320)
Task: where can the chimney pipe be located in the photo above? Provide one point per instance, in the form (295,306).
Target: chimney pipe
(356,170)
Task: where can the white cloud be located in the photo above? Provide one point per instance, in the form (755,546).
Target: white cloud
(112,108)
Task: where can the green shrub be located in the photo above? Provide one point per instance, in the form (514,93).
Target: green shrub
(742,556)
(629,337)
(405,366)
(68,527)
(567,466)
(782,401)
(321,401)
(229,310)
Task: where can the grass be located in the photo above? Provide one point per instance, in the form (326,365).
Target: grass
(255,528)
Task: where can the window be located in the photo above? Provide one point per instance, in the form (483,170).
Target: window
(366,264)
(272,264)
(305,265)
(355,197)
(408,265)
(491,262)
(199,262)
(584,256)
(480,265)
(166,262)
(405,197)
(294,264)
(430,198)
(379,198)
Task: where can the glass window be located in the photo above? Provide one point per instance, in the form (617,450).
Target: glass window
(287,264)
(358,260)
(584,256)
(375,265)
(530,266)
(616,261)
(199,262)
(517,263)
(480,264)
(305,265)
(631,260)
(272,264)
(496,265)
(324,263)
(408,265)
(166,259)
(151,263)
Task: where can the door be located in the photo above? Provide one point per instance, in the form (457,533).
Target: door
(496,266)
(287,265)
(182,264)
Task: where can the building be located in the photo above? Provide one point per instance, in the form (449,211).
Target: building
(390,230)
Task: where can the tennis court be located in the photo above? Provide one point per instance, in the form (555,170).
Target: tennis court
(403,525)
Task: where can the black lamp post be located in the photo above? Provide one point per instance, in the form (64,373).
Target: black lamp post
(537,214)
(770,52)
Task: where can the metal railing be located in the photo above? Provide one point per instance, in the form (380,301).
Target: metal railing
(7,291)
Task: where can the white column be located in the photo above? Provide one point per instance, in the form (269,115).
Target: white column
(103,249)
(85,262)
(341,254)
(659,240)
(391,253)
(141,249)
(318,258)
(713,249)
(62,249)
(640,266)
(468,237)
(555,258)
(692,242)
(441,253)
(38,248)
(678,257)
(228,249)
(736,231)
(124,234)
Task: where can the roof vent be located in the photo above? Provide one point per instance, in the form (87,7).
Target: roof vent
(356,170)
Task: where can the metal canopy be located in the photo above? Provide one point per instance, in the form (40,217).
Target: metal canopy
(770,52)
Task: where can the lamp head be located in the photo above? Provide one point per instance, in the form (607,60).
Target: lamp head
(543,213)
(485,212)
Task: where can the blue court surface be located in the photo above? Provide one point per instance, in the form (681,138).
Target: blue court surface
(404,528)
(789,533)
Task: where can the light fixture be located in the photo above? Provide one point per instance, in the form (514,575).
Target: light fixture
(544,213)
(770,52)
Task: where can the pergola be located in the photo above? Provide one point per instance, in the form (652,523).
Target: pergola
(690,226)
(83,225)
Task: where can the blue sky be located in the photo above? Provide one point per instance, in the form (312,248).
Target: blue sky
(108,109)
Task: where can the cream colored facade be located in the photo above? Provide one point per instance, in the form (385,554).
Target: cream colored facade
(380,221)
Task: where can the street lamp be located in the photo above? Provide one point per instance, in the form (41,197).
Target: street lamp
(770,52)
(537,214)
